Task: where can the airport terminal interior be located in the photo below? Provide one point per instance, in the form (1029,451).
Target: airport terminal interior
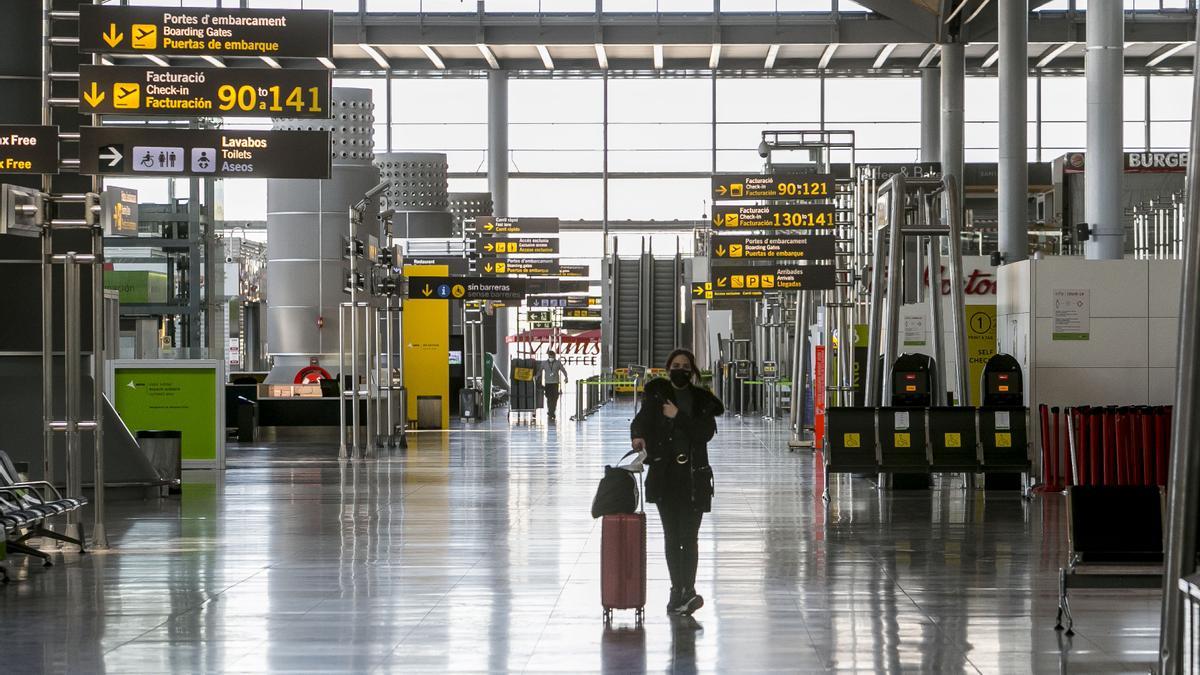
(621,336)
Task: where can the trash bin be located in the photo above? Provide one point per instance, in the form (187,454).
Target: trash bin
(429,412)
(470,401)
(164,449)
(247,420)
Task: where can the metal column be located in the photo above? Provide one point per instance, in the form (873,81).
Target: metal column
(1014,168)
(1184,488)
(498,181)
(953,79)
(931,115)
(1105,161)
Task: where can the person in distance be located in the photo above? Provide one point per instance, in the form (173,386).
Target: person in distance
(673,427)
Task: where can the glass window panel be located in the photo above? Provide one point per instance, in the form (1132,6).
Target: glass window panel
(981,155)
(150,190)
(380,137)
(659,243)
(1055,6)
(1170,98)
(660,136)
(378,87)
(565,198)
(438,137)
(851,99)
(980,135)
(769,100)
(805,6)
(846,6)
(547,6)
(1135,135)
(898,135)
(440,101)
(739,160)
(659,100)
(555,100)
(1064,136)
(981,99)
(881,156)
(556,136)
(659,160)
(746,6)
(1134,91)
(1064,99)
(432,6)
(565,161)
(244,198)
(577,247)
(459,184)
(1169,135)
(406,6)
(665,6)
(658,198)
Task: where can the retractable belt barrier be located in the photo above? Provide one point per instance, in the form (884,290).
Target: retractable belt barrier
(1105,446)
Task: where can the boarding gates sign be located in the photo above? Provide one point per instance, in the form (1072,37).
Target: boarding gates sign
(173,31)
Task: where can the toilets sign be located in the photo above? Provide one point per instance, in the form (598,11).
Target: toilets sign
(211,153)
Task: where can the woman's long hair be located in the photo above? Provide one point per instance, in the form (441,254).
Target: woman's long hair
(691,359)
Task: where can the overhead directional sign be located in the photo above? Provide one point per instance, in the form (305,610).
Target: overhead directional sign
(582,313)
(772,216)
(27,148)
(487,225)
(213,153)
(465,288)
(575,285)
(172,31)
(794,247)
(520,246)
(227,92)
(735,187)
(747,281)
(702,290)
(540,267)
(574,271)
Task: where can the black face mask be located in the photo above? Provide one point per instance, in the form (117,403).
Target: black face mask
(680,377)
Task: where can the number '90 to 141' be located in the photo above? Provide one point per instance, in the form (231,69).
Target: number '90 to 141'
(269,99)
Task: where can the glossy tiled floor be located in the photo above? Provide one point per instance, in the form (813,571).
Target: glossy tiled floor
(473,551)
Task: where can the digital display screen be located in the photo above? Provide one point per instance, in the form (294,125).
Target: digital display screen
(1001,383)
(911,383)
(456,357)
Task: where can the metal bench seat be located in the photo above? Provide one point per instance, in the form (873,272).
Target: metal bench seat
(25,510)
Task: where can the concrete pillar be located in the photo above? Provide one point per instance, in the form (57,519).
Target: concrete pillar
(498,182)
(1014,112)
(931,127)
(1104,161)
(953,79)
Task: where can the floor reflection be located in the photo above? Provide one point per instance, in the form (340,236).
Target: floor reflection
(473,551)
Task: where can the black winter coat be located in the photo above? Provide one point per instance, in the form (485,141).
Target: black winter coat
(668,480)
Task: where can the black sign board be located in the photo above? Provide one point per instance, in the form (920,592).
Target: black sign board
(576,285)
(119,212)
(204,92)
(772,216)
(488,225)
(737,187)
(591,313)
(172,31)
(574,271)
(519,246)
(457,266)
(207,153)
(580,325)
(540,267)
(748,282)
(780,247)
(28,148)
(702,290)
(566,301)
(465,288)
(539,317)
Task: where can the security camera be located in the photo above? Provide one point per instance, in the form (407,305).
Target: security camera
(764,150)
(228,258)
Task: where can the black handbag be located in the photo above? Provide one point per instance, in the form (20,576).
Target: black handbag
(617,492)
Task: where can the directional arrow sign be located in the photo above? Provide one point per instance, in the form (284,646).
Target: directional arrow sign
(520,246)
(739,187)
(465,288)
(28,149)
(111,157)
(227,92)
(173,31)
(494,225)
(751,282)
(574,271)
(702,290)
(794,247)
(772,216)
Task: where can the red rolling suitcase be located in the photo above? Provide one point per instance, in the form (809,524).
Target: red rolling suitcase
(623,564)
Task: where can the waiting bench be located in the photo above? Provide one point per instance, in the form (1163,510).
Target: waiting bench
(24,511)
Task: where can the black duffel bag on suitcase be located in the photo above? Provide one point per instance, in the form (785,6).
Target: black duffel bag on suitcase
(618,491)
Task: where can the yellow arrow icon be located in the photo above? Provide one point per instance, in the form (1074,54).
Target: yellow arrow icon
(427,291)
(722,282)
(112,37)
(720,251)
(489,226)
(722,190)
(697,290)
(717,221)
(94,97)
(487,247)
(487,267)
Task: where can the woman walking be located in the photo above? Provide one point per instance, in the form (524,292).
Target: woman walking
(674,425)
